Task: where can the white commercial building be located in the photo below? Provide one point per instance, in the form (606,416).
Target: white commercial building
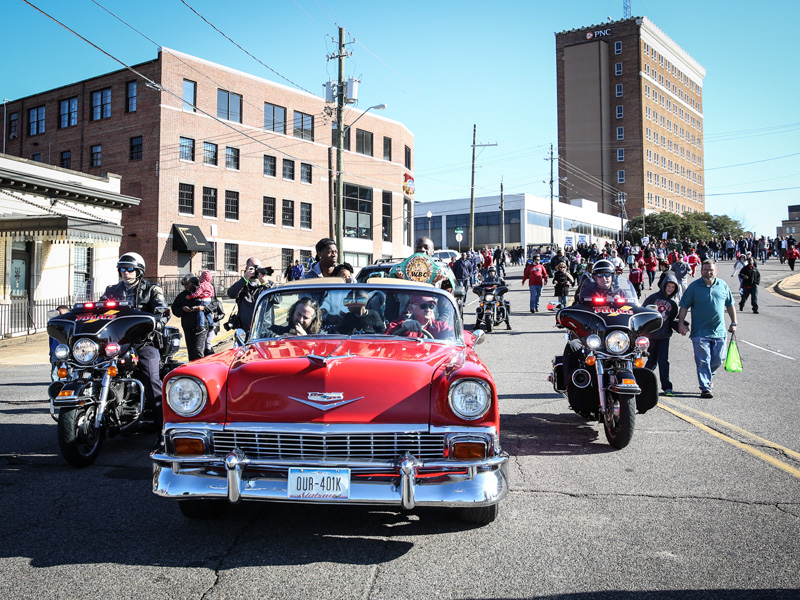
(527,221)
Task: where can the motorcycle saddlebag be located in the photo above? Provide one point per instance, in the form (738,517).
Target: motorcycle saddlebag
(646,379)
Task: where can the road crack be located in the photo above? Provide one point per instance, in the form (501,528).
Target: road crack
(226,554)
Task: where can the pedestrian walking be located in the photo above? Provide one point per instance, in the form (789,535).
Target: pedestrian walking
(709,298)
(664,301)
(536,275)
(792,254)
(562,280)
(750,278)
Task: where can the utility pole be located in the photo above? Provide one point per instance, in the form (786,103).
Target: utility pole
(502,219)
(552,206)
(472,187)
(340,91)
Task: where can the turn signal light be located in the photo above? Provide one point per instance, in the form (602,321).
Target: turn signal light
(62,374)
(639,362)
(112,371)
(188,447)
(469,450)
(591,360)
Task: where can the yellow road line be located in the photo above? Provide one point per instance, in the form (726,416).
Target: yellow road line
(757,453)
(739,430)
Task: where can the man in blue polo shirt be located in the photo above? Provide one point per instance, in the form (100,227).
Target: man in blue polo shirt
(709,298)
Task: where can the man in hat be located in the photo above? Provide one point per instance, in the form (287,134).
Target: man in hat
(422,320)
(359,318)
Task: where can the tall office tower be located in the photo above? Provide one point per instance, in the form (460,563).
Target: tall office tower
(630,119)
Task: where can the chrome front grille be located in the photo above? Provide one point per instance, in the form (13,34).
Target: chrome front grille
(312,446)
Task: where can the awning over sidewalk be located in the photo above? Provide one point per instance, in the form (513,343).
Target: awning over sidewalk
(189,238)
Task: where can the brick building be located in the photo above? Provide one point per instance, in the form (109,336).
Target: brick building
(630,119)
(790,226)
(227,165)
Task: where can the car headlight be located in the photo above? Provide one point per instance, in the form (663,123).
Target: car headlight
(85,350)
(61,352)
(470,398)
(594,341)
(186,396)
(617,342)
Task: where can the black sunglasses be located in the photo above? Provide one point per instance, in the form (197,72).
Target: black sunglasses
(427,305)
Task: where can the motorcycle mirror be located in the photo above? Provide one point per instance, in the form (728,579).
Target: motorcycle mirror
(652,307)
(480,336)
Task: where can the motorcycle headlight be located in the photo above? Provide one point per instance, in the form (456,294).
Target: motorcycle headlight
(489,297)
(85,350)
(594,341)
(617,342)
(186,396)
(470,398)
(61,352)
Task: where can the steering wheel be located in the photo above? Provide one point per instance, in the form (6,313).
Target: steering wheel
(427,334)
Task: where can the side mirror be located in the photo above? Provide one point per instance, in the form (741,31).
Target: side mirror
(480,336)
(239,336)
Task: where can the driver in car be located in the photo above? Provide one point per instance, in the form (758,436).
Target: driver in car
(422,320)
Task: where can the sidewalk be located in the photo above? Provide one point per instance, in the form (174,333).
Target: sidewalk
(35,349)
(789,287)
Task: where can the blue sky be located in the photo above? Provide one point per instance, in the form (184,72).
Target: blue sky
(442,66)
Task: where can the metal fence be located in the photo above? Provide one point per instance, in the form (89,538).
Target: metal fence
(171,284)
(23,317)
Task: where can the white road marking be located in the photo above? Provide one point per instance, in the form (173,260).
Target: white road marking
(766,350)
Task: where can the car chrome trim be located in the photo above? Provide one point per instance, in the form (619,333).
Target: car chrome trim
(329,427)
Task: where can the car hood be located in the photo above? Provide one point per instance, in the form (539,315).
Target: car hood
(381,380)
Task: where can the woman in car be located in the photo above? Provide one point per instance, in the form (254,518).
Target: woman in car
(304,319)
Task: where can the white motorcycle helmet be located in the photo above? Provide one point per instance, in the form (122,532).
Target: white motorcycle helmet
(132,260)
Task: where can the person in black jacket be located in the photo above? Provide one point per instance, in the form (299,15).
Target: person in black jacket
(751,278)
(247,290)
(187,308)
(147,297)
(664,300)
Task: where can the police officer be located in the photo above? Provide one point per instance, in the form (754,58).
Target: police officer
(147,297)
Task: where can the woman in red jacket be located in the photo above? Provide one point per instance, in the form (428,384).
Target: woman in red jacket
(536,274)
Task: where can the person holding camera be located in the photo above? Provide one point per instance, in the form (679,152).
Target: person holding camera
(245,292)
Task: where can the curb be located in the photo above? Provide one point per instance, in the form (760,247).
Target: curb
(781,287)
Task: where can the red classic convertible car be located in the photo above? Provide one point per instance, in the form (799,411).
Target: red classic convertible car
(368,393)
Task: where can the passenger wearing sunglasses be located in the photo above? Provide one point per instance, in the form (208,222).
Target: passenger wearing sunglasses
(421,321)
(359,318)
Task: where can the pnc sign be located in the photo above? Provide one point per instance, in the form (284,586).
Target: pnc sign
(599,33)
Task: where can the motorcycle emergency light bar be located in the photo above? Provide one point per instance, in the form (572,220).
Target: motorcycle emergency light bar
(99,305)
(598,300)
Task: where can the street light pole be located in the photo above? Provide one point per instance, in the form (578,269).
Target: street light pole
(430,214)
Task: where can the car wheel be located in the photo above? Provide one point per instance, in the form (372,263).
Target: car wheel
(480,515)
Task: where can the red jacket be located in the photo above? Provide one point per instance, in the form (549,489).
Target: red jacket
(536,274)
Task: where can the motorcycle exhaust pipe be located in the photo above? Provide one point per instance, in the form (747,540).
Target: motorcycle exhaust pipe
(581,378)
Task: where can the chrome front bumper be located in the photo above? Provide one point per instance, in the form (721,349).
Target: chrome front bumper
(406,482)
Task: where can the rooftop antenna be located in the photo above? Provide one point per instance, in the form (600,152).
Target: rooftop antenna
(626,9)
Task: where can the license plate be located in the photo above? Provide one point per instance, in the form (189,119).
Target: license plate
(319,484)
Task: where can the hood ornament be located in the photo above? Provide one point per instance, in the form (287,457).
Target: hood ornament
(324,360)
(325,400)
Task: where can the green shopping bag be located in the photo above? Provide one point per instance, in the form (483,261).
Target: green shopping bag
(733,362)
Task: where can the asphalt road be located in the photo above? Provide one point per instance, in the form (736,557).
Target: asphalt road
(704,503)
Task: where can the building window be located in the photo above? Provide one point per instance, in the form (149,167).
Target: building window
(208,261)
(620,133)
(13,126)
(82,260)
(288,169)
(36,120)
(364,142)
(232,205)
(274,118)
(232,258)
(229,106)
(305,257)
(621,176)
(618,89)
(185,199)
(131,91)
(96,155)
(617,47)
(619,111)
(209,154)
(269,210)
(357,211)
(305,173)
(287,214)
(387,148)
(335,138)
(36,157)
(407,220)
(232,158)
(66,159)
(408,158)
(210,202)
(303,126)
(136,148)
(386,216)
(618,68)
(189,95)
(620,154)
(287,259)
(305,215)
(68,113)
(101,104)
(270,168)
(187,149)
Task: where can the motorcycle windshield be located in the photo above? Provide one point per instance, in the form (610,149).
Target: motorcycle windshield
(122,324)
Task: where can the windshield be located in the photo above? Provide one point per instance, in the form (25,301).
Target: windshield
(619,287)
(342,309)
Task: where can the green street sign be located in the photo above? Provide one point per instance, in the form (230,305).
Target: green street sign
(459,230)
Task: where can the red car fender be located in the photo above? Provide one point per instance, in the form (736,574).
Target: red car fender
(446,376)
(211,371)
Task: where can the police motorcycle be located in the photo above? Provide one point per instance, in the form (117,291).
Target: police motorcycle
(492,308)
(97,395)
(601,372)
